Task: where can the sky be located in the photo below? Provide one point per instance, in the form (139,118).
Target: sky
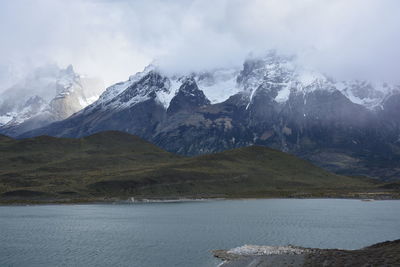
(113,39)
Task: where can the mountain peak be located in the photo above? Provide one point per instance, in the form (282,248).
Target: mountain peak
(44,96)
(189,85)
(189,96)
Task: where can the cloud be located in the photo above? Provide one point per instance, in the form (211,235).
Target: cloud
(92,36)
(115,38)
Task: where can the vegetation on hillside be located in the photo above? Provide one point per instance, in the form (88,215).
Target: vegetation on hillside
(119,165)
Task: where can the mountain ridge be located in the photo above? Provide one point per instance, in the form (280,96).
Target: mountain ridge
(272,103)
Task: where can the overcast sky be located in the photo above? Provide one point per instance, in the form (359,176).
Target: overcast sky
(116,38)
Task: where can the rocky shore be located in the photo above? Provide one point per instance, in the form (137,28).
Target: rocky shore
(381,254)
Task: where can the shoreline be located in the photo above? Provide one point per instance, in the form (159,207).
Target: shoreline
(143,200)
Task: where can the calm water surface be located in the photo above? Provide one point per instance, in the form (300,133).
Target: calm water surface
(182,234)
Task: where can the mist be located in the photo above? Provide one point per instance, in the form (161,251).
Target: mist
(347,39)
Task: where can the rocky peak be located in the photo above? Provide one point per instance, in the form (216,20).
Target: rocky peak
(66,80)
(189,86)
(153,80)
(145,87)
(189,96)
(47,94)
(272,68)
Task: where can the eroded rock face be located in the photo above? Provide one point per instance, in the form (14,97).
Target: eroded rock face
(270,102)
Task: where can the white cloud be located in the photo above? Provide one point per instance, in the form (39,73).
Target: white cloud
(115,38)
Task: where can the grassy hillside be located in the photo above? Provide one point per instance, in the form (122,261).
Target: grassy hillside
(115,164)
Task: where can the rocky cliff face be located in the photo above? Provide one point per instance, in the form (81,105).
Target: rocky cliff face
(188,97)
(349,127)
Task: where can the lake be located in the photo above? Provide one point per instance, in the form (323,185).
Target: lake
(184,233)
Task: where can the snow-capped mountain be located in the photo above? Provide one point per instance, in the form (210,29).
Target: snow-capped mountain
(48,94)
(272,101)
(275,73)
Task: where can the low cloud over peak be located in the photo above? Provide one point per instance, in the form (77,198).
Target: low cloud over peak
(348,39)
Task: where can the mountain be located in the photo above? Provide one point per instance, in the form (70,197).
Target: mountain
(349,127)
(117,164)
(46,95)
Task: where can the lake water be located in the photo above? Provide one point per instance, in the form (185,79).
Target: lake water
(183,234)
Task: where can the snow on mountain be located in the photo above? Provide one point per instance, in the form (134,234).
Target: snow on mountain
(284,73)
(165,96)
(113,91)
(279,74)
(33,105)
(272,72)
(218,85)
(5,119)
(41,82)
(368,94)
(48,93)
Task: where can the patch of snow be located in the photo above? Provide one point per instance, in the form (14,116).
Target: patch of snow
(222,85)
(5,119)
(133,101)
(368,94)
(283,95)
(113,91)
(92,99)
(217,86)
(251,98)
(27,112)
(165,96)
(82,102)
(116,89)
(308,77)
